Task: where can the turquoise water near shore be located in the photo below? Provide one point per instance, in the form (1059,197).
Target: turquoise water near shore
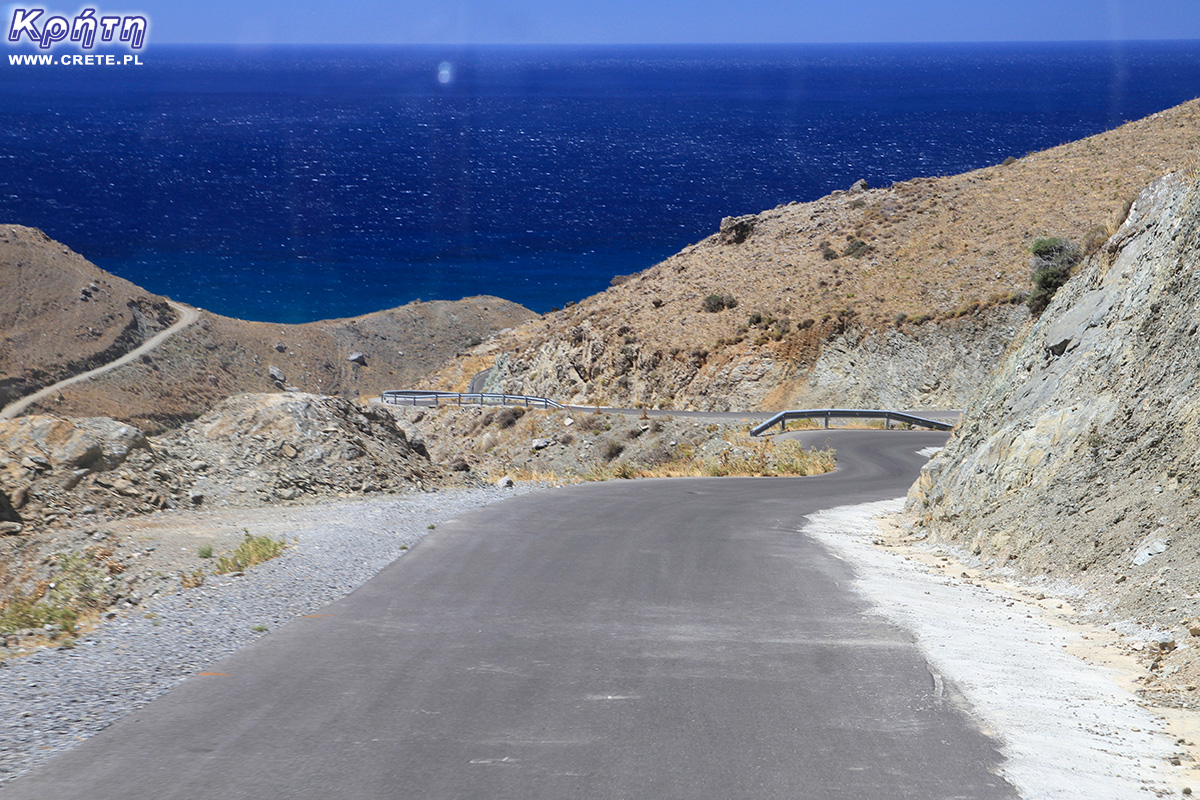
(291,184)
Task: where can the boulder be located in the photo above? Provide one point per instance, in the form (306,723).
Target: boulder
(95,443)
(735,230)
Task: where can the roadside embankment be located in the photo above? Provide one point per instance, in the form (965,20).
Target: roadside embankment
(1077,465)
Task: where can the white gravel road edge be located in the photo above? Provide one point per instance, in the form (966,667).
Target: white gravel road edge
(1067,728)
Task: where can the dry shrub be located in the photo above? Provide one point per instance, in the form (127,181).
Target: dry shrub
(252,550)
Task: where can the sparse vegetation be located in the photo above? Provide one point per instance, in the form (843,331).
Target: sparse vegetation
(1053,261)
(612,448)
(856,248)
(594,421)
(719,302)
(205,551)
(1094,240)
(81,587)
(192,580)
(253,550)
(508,416)
(759,458)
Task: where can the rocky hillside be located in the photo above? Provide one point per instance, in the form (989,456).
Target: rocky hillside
(60,472)
(64,482)
(1078,463)
(803,303)
(61,315)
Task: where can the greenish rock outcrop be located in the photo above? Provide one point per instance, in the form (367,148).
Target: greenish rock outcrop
(1080,460)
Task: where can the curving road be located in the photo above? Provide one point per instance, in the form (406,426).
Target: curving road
(187,316)
(631,639)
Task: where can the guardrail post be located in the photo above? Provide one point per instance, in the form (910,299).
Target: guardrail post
(826,421)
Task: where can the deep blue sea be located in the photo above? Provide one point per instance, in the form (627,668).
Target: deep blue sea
(291,184)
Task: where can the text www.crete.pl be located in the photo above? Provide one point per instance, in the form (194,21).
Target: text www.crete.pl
(76,60)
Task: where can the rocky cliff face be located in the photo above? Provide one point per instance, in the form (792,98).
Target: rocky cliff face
(937,364)
(1080,460)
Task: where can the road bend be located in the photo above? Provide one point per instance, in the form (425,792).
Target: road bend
(657,639)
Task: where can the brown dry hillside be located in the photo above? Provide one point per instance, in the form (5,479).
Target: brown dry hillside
(60,315)
(940,251)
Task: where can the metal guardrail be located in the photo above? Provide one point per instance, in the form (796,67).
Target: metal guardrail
(781,419)
(429,397)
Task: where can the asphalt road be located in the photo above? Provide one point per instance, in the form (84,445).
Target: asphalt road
(632,639)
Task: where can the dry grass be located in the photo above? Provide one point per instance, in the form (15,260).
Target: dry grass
(757,458)
(252,550)
(79,590)
(941,248)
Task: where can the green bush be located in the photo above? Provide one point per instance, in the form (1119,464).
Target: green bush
(856,248)
(508,416)
(611,450)
(1053,261)
(719,302)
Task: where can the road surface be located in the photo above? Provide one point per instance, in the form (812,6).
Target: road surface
(187,316)
(657,639)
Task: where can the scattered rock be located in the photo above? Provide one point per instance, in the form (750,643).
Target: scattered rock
(10,528)
(541,444)
(357,358)
(276,375)
(735,230)
(859,186)
(505,483)
(1149,551)
(122,486)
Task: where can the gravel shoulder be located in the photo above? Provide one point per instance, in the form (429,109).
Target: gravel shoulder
(1057,690)
(56,698)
